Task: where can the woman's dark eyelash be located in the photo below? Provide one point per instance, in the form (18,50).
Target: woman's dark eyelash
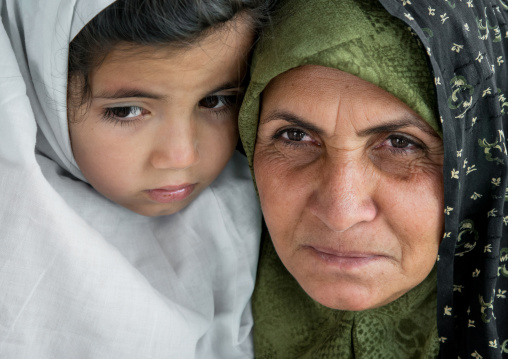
(410,140)
(285,142)
(280,133)
(417,145)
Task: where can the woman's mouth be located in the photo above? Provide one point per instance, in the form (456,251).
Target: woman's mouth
(344,260)
(170,194)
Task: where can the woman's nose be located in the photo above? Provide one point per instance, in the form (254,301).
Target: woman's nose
(176,147)
(343,198)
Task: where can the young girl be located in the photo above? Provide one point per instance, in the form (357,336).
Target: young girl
(133,230)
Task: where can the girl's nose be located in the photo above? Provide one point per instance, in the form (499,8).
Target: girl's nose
(176,147)
(343,198)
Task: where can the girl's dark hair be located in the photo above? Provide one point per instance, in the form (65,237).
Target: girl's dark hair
(155,23)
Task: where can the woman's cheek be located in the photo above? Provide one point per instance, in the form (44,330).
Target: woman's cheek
(269,166)
(405,167)
(285,155)
(281,168)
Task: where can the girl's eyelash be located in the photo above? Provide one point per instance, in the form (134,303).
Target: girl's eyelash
(230,100)
(230,103)
(109,115)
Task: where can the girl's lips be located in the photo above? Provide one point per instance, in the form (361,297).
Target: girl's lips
(170,193)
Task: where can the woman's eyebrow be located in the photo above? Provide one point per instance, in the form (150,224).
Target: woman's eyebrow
(390,126)
(291,118)
(406,121)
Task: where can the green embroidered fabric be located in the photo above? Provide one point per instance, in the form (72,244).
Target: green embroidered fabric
(361,38)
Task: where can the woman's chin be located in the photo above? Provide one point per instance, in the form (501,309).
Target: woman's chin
(351,297)
(353,283)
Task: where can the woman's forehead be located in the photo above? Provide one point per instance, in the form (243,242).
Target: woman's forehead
(312,83)
(326,97)
(322,81)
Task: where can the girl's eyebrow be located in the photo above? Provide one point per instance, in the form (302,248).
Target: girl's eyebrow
(227,86)
(406,121)
(131,92)
(128,93)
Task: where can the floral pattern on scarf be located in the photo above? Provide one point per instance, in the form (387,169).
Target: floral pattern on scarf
(467,44)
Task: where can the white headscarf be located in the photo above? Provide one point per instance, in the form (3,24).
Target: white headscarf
(82,277)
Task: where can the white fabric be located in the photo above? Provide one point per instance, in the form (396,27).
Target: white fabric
(82,277)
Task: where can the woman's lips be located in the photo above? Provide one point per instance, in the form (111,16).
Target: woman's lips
(345,260)
(170,193)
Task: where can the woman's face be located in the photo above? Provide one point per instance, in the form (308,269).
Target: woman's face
(350,181)
(162,124)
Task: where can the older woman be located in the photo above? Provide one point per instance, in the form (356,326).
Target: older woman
(370,165)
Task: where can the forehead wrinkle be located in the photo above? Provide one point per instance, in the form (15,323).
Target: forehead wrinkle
(347,114)
(398,121)
(337,117)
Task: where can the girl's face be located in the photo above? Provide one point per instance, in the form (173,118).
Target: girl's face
(162,124)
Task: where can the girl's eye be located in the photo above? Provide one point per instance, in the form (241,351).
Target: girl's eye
(218,101)
(124,115)
(126,112)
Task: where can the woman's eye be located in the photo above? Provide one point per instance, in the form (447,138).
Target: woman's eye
(401,154)
(217,101)
(294,135)
(400,143)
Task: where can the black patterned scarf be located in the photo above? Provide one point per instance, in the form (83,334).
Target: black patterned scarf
(467,43)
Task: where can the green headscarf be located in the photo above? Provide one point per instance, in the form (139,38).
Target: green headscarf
(361,38)
(355,36)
